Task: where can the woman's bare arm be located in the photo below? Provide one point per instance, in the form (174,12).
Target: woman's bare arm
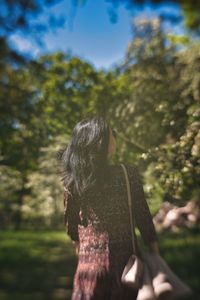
(142,213)
(153,247)
(77,245)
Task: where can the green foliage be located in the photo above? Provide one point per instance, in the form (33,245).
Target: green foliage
(19,15)
(191,13)
(179,157)
(45,100)
(11,182)
(161,111)
(44,206)
(153,189)
(152,100)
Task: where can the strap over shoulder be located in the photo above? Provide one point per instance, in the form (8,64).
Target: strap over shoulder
(132,223)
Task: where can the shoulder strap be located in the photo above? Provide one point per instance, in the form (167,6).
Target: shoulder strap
(133,234)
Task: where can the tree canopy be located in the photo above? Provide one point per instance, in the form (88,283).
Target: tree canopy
(152,99)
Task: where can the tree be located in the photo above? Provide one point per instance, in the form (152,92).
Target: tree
(42,101)
(179,157)
(161,111)
(44,206)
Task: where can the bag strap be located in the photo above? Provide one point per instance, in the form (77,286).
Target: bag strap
(132,221)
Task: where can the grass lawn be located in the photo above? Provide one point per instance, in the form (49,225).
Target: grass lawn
(182,252)
(36,265)
(40,265)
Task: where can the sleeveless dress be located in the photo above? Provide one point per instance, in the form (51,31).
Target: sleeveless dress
(105,242)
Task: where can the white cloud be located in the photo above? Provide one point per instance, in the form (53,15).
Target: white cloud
(24,45)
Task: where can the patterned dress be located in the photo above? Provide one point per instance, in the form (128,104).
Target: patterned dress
(105,242)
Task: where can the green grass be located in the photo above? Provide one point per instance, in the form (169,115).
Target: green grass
(36,265)
(182,252)
(40,265)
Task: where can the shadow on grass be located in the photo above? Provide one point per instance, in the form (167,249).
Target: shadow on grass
(182,251)
(36,265)
(40,265)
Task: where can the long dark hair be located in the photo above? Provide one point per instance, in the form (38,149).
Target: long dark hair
(84,161)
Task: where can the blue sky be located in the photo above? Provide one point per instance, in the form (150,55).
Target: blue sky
(92,35)
(88,33)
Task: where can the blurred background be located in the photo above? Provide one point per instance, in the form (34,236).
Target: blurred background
(138,64)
